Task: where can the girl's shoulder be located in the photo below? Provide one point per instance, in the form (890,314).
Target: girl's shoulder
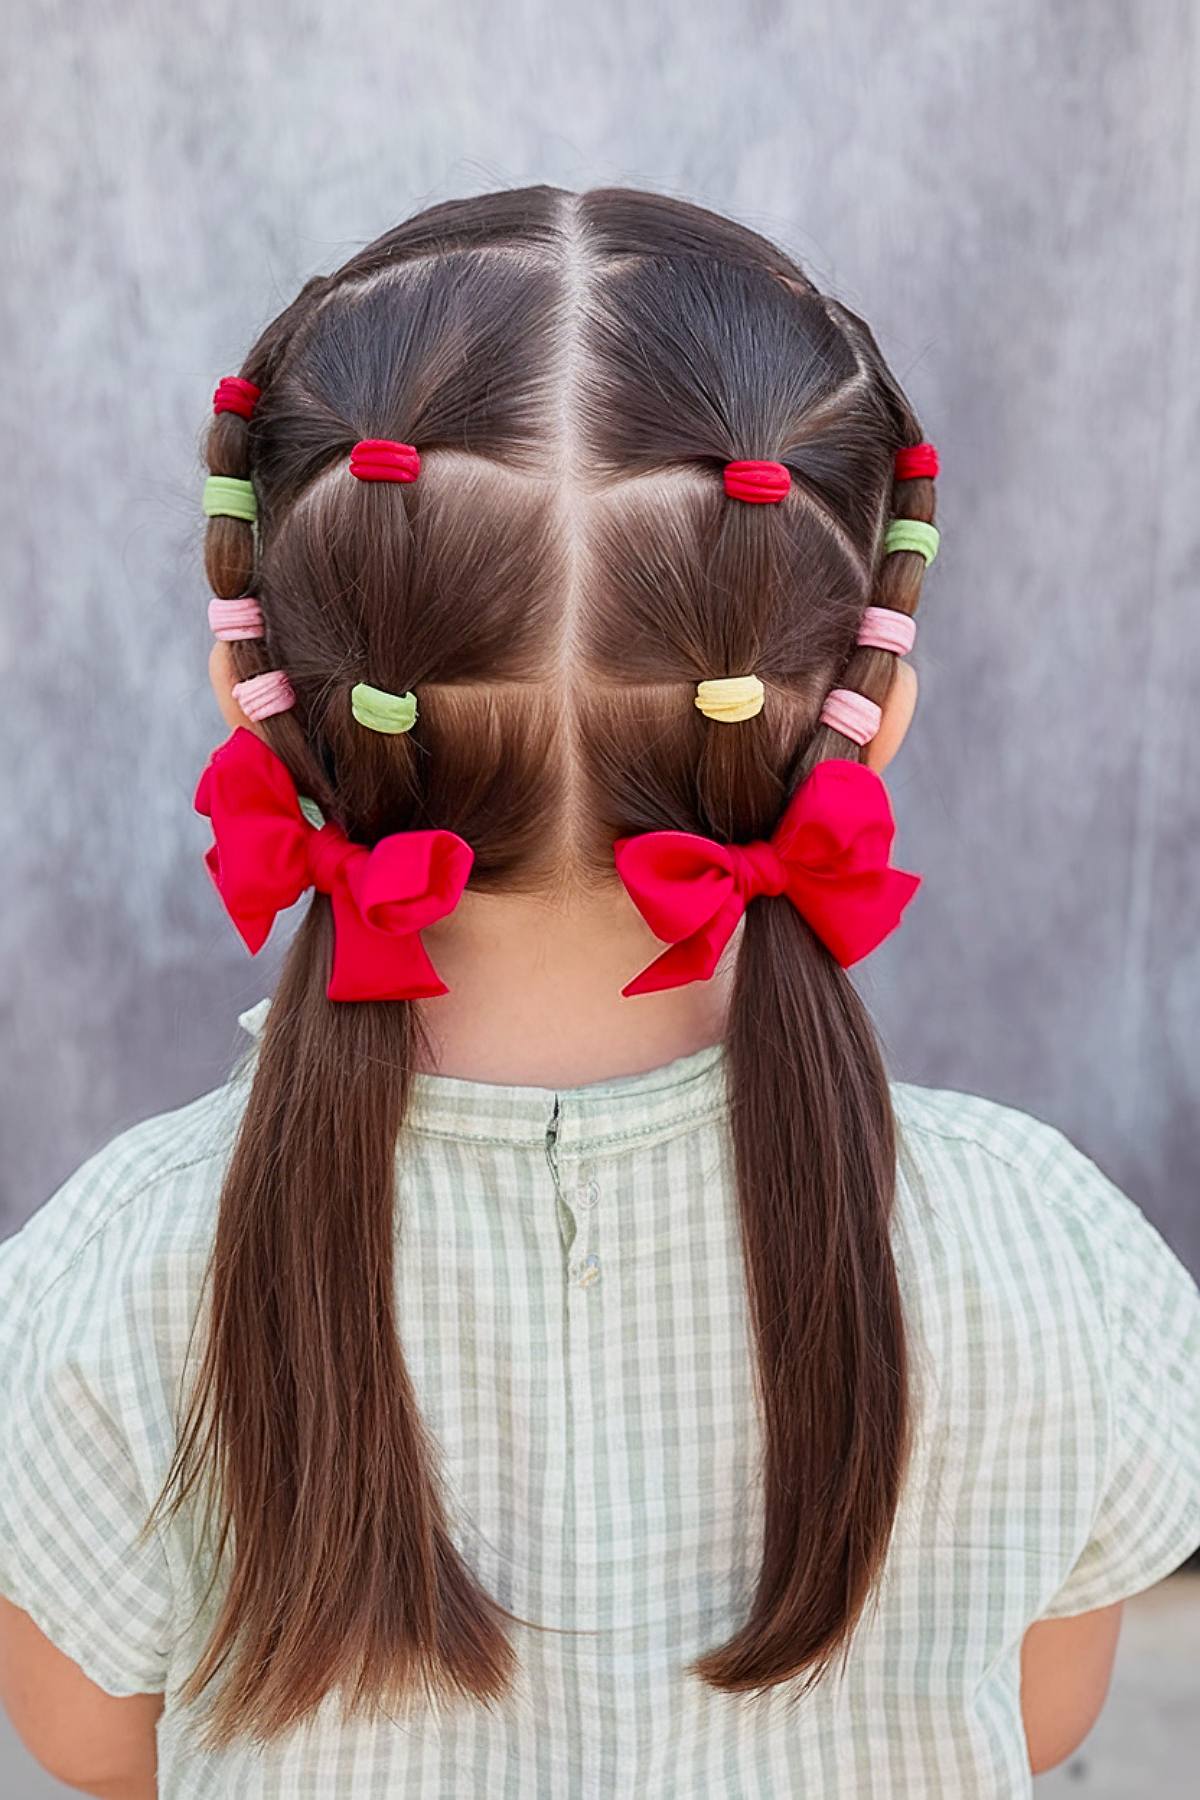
(98,1291)
(150,1190)
(998,1204)
(998,1171)
(1060,1334)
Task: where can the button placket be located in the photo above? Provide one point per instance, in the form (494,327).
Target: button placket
(586,1268)
(580,1193)
(585,1372)
(587,1190)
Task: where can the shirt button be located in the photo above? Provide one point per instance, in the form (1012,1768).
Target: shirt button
(587,1271)
(588,1193)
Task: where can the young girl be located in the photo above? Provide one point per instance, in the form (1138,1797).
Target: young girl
(558,1362)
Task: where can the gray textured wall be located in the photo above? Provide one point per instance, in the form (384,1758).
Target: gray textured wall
(1007,189)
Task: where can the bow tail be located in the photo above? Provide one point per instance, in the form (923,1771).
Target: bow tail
(254,928)
(374,964)
(693,958)
(852,917)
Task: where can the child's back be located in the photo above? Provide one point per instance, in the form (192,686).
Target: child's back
(570,1297)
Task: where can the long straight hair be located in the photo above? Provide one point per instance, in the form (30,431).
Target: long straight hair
(575,371)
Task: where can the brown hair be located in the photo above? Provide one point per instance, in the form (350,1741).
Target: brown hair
(575,371)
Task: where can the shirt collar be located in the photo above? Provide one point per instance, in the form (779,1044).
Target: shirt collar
(599,1116)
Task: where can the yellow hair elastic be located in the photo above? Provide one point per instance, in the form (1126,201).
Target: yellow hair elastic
(730,698)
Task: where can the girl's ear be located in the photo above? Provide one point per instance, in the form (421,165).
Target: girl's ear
(898,710)
(222,675)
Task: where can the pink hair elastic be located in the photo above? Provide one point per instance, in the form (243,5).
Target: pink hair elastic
(235,395)
(915,461)
(382,459)
(760,483)
(883,628)
(234,619)
(263,695)
(852,714)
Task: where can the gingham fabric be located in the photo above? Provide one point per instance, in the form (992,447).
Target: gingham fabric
(571,1303)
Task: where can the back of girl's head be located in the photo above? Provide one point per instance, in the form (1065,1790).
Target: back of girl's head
(575,373)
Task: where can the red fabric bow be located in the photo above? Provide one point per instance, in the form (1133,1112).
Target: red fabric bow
(265,854)
(829,855)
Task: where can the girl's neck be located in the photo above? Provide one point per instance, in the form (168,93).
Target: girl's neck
(535,993)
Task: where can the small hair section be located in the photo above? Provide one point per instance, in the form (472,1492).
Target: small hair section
(236,395)
(227,496)
(915,461)
(912,534)
(730,698)
(852,714)
(758,483)
(263,695)
(383,459)
(883,628)
(235,619)
(380,711)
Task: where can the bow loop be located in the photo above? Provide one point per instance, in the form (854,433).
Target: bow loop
(413,878)
(259,858)
(265,854)
(829,854)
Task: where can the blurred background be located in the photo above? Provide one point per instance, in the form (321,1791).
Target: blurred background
(1007,191)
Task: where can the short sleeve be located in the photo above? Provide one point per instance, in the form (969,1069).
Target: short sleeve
(71,1500)
(1146,1515)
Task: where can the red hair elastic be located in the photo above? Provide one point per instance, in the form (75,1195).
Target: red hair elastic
(383,459)
(830,854)
(761,483)
(915,461)
(235,395)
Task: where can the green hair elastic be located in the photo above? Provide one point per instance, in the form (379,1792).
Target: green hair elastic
(380,711)
(911,534)
(225,496)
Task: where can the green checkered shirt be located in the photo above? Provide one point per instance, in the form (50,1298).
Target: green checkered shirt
(571,1304)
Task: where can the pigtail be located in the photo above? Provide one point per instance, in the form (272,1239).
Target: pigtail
(342,1573)
(814,1154)
(302,1438)
(814,1146)
(766,570)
